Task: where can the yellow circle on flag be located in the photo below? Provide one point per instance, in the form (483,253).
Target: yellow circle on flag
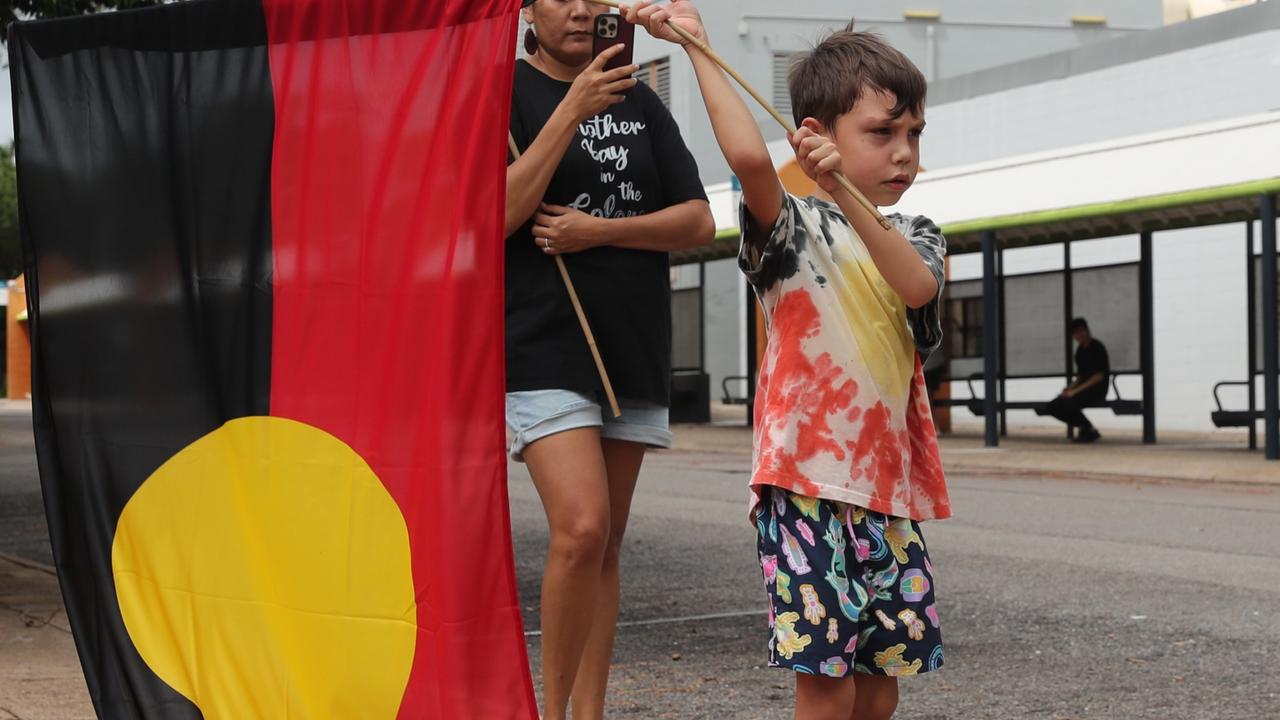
(264,572)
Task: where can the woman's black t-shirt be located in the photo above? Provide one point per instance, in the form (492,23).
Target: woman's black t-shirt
(629,160)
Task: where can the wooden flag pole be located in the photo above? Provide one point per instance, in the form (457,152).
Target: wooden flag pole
(786,124)
(582,315)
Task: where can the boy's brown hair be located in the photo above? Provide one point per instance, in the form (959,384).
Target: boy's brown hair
(827,82)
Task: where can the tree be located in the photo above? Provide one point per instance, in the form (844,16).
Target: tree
(10,243)
(11,10)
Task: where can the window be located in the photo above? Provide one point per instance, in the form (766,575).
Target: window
(657,75)
(686,329)
(963,327)
(781,93)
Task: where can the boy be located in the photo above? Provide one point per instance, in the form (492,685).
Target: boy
(846,457)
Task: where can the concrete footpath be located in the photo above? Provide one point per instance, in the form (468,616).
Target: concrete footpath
(1035,452)
(40,676)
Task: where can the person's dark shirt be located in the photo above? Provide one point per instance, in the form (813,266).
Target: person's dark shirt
(629,160)
(1090,360)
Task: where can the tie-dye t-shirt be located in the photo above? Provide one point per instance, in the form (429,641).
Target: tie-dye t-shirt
(841,408)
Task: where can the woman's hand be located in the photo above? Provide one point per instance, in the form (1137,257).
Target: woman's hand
(595,89)
(654,19)
(559,230)
(817,155)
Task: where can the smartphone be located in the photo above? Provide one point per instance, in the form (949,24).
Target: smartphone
(612,29)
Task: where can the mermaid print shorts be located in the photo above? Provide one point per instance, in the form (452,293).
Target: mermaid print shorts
(849,589)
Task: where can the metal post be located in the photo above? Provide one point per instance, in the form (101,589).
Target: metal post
(702,317)
(1146,320)
(1068,313)
(1004,355)
(1251,293)
(1270,344)
(990,336)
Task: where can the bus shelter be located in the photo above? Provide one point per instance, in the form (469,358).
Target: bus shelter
(1212,174)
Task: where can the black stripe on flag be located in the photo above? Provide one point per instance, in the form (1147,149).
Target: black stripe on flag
(144,151)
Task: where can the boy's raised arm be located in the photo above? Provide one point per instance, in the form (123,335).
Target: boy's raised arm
(735,127)
(899,263)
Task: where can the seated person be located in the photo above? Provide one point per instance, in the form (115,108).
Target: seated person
(1093,372)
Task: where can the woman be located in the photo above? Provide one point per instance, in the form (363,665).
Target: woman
(604,180)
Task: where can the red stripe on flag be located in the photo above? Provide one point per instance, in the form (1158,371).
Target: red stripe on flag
(315,19)
(387,187)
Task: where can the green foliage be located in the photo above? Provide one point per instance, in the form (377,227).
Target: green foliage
(11,10)
(10,243)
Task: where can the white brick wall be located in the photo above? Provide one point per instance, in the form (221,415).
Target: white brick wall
(1212,82)
(1199,274)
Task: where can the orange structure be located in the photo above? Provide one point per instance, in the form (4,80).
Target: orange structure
(795,181)
(18,342)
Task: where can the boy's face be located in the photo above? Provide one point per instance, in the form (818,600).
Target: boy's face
(881,153)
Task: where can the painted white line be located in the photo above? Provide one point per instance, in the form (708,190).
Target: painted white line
(29,564)
(674,620)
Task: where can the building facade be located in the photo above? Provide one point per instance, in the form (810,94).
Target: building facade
(1113,77)
(945,38)
(1183,79)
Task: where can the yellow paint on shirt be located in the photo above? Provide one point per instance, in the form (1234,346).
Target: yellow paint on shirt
(264,572)
(878,319)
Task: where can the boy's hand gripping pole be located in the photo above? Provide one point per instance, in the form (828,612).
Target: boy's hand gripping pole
(786,124)
(582,315)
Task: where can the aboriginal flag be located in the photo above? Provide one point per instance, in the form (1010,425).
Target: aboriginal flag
(264,256)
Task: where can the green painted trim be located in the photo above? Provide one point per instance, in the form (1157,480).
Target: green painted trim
(1098,210)
(725,245)
(962,234)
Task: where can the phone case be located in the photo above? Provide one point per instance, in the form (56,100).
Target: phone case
(611,29)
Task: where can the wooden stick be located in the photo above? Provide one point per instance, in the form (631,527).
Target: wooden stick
(577,308)
(785,123)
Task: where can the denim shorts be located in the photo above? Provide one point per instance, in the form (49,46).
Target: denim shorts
(536,414)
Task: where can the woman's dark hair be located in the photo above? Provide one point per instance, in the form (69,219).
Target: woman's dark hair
(530,37)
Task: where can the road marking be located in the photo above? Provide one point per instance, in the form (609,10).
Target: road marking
(674,620)
(29,564)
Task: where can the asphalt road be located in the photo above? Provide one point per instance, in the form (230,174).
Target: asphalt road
(23,531)
(1059,598)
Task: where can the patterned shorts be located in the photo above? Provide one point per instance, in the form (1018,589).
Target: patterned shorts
(848,588)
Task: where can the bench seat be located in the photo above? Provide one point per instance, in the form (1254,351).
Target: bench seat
(977,406)
(1236,418)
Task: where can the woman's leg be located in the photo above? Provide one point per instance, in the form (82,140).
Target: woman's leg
(570,474)
(622,459)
